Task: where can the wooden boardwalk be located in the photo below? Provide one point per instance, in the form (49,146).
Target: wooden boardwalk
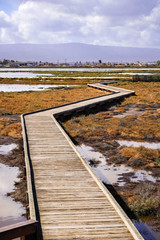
(64,193)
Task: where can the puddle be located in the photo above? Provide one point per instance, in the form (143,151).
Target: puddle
(129,112)
(138,144)
(27,87)
(7,149)
(111,174)
(11,211)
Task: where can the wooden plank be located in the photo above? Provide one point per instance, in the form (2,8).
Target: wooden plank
(72,202)
(29,227)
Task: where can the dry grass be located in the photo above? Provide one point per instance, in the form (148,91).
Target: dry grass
(61,81)
(141,156)
(126,128)
(143,127)
(8,127)
(22,102)
(103,124)
(146,92)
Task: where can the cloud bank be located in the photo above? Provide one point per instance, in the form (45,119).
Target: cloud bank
(103,22)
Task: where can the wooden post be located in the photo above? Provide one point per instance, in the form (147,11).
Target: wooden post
(33,236)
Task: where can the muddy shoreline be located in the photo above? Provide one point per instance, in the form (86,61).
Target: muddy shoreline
(16,159)
(132,192)
(109,147)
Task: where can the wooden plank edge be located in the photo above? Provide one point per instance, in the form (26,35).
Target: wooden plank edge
(134,232)
(32,209)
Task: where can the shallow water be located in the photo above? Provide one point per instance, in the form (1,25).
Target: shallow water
(146,231)
(27,87)
(10,211)
(23,75)
(139,144)
(74,69)
(111,174)
(7,149)
(130,73)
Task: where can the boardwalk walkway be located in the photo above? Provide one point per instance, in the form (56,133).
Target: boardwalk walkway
(64,193)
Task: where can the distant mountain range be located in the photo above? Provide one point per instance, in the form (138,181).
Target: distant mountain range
(72,52)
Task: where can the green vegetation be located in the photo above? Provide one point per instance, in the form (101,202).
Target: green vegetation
(145,202)
(158,62)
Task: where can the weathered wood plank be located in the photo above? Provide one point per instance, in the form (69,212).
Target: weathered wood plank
(20,229)
(72,202)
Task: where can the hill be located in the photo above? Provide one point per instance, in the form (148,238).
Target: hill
(70,52)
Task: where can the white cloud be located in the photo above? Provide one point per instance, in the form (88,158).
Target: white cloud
(103,22)
(93,25)
(4,20)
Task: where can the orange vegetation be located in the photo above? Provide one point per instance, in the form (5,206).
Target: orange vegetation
(142,155)
(146,92)
(9,128)
(143,127)
(22,102)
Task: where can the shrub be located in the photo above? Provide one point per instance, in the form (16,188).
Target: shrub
(145,206)
(146,200)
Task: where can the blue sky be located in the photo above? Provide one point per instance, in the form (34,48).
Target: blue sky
(9,5)
(134,23)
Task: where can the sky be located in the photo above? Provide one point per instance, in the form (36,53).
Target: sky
(133,23)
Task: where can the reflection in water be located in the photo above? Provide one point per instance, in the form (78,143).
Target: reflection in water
(111,174)
(138,73)
(27,87)
(139,144)
(10,211)
(145,230)
(7,149)
(8,175)
(22,75)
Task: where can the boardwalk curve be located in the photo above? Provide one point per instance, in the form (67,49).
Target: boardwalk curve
(64,194)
